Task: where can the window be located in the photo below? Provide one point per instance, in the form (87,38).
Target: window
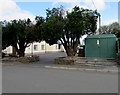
(35,47)
(42,47)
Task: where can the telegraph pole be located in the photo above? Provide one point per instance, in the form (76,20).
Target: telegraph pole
(99,24)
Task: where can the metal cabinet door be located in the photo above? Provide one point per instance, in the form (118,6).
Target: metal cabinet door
(104,53)
(92,49)
(111,48)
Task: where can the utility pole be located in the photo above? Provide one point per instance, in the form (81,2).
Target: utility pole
(98,17)
(99,24)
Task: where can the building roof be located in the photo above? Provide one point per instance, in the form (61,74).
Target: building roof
(101,36)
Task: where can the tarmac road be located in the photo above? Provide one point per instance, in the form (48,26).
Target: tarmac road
(20,79)
(33,78)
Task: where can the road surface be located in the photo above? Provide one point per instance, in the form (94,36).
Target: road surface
(29,79)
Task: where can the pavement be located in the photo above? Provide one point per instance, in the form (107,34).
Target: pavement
(89,64)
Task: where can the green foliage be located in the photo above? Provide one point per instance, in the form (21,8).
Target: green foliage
(113,28)
(53,29)
(59,25)
(7,34)
(39,28)
(70,27)
(19,34)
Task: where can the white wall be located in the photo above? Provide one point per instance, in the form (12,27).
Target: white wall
(36,47)
(42,47)
(8,50)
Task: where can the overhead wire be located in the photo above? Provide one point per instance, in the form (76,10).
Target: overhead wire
(94,4)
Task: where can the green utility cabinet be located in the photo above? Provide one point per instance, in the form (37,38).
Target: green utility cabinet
(100,46)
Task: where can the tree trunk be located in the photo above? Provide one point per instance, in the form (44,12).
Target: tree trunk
(21,52)
(14,50)
(70,51)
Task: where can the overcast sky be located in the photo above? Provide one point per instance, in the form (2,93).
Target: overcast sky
(22,9)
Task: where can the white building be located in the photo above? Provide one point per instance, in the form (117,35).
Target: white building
(37,47)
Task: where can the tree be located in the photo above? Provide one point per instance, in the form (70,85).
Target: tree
(68,29)
(104,30)
(7,34)
(19,34)
(113,28)
(39,28)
